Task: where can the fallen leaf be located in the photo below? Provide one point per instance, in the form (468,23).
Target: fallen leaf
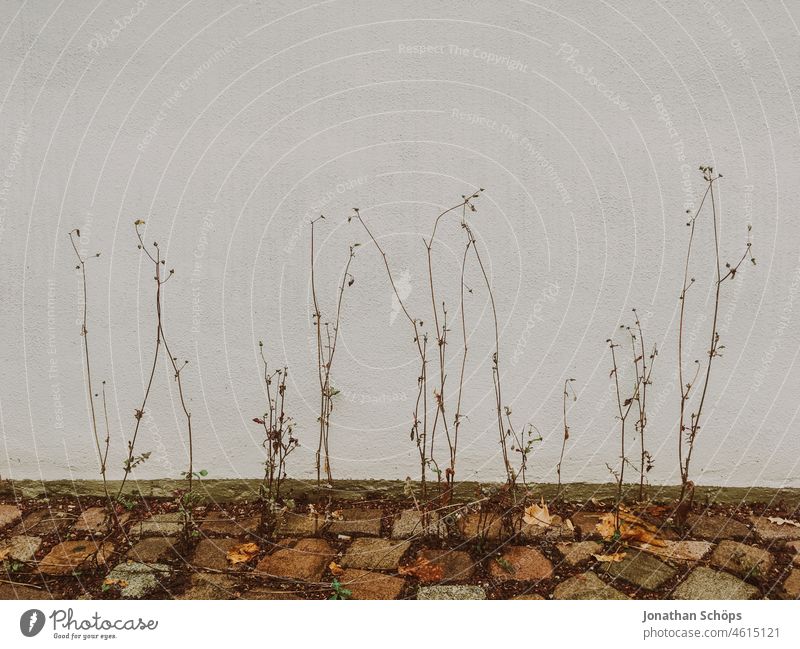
(242,553)
(538,515)
(337,515)
(336,569)
(423,570)
(782,521)
(610,558)
(631,528)
(121,583)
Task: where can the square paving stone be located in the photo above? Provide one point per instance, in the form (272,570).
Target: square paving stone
(262,593)
(136,580)
(410,524)
(455,565)
(9,514)
(576,553)
(451,592)
(741,559)
(159,525)
(21,591)
(766,530)
(364,584)
(306,561)
(706,583)
(587,586)
(91,521)
(558,530)
(586,524)
(203,586)
(44,522)
(213,553)
(224,525)
(487,525)
(292,524)
(357,521)
(520,563)
(715,527)
(72,556)
(156,549)
(641,569)
(681,551)
(375,554)
(19,548)
(791,587)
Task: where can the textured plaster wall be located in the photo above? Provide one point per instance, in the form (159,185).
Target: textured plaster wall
(227,126)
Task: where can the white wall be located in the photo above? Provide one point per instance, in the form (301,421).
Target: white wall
(227,126)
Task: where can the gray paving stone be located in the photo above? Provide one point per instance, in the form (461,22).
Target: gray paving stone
(136,580)
(640,569)
(409,524)
(451,592)
(159,525)
(706,583)
(20,548)
(587,586)
(741,559)
(357,521)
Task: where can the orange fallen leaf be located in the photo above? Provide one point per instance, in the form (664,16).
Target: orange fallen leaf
(336,569)
(242,553)
(423,570)
(782,521)
(631,528)
(538,515)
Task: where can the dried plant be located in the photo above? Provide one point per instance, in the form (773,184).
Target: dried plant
(568,389)
(279,441)
(687,432)
(643,367)
(327,334)
(102,453)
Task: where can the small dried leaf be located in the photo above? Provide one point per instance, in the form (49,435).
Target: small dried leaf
(423,570)
(336,569)
(242,553)
(538,515)
(782,521)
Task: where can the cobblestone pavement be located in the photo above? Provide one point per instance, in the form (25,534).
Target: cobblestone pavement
(382,551)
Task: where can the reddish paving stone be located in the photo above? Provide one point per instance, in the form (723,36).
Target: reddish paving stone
(576,553)
(306,561)
(585,523)
(364,584)
(375,554)
(44,522)
(213,553)
(156,549)
(706,583)
(9,514)
(456,565)
(204,586)
(92,521)
(766,530)
(743,560)
(715,527)
(357,521)
(71,556)
(791,587)
(20,548)
(224,525)
(21,591)
(488,525)
(300,524)
(520,563)
(587,586)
